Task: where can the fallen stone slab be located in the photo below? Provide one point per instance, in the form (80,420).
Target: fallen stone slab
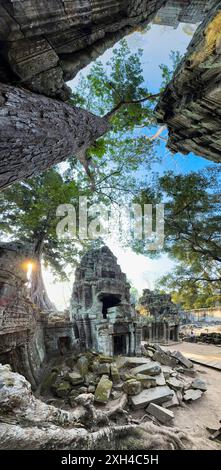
(182,359)
(75,378)
(167,371)
(136,361)
(132,387)
(115,376)
(175,384)
(147,381)
(103,368)
(160,379)
(164,358)
(199,384)
(187,372)
(192,394)
(152,395)
(151,368)
(163,415)
(172,402)
(103,390)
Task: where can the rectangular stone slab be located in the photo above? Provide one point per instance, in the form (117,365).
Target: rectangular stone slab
(151,395)
(145,368)
(162,414)
(136,361)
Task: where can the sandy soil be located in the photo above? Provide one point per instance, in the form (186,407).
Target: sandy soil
(207,410)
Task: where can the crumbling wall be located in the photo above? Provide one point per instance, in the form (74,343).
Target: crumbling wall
(191,103)
(21,333)
(46,43)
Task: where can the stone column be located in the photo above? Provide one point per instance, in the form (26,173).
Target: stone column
(138,336)
(94,339)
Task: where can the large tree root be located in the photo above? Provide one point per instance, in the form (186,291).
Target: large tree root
(28,423)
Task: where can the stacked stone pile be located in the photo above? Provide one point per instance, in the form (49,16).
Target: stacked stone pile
(154,384)
(210,338)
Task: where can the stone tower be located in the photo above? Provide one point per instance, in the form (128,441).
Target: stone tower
(104,319)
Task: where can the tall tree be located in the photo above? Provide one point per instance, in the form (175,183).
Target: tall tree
(192,230)
(29,215)
(37,132)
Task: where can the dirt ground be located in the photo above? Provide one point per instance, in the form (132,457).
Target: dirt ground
(207,410)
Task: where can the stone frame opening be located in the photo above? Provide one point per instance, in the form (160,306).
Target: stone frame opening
(120,344)
(109,301)
(64,344)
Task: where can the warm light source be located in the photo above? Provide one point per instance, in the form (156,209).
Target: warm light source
(28,266)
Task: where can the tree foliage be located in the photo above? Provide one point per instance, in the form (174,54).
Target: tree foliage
(192,234)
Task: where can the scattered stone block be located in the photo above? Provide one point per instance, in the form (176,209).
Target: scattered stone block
(172,402)
(152,395)
(175,384)
(75,378)
(187,372)
(151,368)
(63,389)
(199,384)
(115,376)
(136,361)
(160,379)
(192,394)
(132,387)
(163,415)
(182,359)
(146,381)
(103,390)
(103,368)
(82,365)
(103,359)
(164,358)
(91,389)
(167,371)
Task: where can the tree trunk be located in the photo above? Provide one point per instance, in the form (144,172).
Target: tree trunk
(37,132)
(39,294)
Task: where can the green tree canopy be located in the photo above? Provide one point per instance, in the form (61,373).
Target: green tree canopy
(192,233)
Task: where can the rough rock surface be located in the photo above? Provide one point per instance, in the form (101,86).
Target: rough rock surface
(152,395)
(190,105)
(44,44)
(163,415)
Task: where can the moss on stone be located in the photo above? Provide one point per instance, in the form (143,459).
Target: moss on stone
(103,390)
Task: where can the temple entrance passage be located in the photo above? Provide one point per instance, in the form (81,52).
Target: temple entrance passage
(119,344)
(64,344)
(109,300)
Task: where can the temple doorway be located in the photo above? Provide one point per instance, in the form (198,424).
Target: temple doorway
(64,344)
(120,344)
(109,300)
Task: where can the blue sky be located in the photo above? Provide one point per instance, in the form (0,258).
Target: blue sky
(157,44)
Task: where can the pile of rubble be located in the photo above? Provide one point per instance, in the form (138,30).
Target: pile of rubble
(210,338)
(155,382)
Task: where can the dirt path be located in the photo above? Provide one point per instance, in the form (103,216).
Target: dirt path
(207,410)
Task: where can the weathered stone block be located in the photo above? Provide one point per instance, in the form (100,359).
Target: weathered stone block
(146,381)
(199,384)
(175,384)
(192,394)
(163,415)
(103,390)
(152,395)
(182,359)
(82,365)
(115,376)
(132,387)
(164,358)
(151,368)
(75,378)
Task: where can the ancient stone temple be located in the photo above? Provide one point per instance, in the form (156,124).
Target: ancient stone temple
(104,319)
(163,323)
